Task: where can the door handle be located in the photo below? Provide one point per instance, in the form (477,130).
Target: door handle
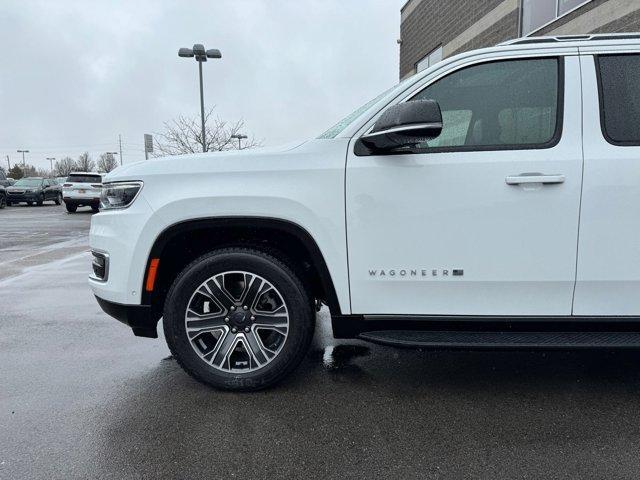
(525,178)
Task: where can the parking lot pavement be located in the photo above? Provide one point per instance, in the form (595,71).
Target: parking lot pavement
(80,397)
(36,235)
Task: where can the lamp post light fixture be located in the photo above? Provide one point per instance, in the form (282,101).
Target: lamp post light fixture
(23,152)
(240,137)
(201,55)
(51,159)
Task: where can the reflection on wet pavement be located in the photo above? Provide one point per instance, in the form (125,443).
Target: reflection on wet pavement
(337,357)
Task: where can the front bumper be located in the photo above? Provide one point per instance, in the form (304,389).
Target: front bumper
(142,319)
(125,236)
(81,202)
(22,197)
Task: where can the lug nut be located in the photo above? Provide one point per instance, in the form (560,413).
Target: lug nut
(232,308)
(234,330)
(246,329)
(252,318)
(226,319)
(245,307)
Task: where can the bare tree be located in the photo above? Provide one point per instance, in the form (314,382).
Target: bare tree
(64,167)
(84,163)
(106,163)
(184,135)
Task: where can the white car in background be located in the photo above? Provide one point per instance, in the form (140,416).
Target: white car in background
(82,189)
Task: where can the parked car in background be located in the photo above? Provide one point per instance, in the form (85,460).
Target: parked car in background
(3,197)
(32,190)
(82,189)
(61,180)
(4,180)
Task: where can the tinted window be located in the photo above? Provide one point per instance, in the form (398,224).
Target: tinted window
(501,104)
(84,179)
(620,98)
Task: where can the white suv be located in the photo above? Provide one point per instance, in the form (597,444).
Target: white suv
(82,189)
(492,200)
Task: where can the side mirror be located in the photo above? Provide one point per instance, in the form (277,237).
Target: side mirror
(404,125)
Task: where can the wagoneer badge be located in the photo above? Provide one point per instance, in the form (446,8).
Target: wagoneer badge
(416,273)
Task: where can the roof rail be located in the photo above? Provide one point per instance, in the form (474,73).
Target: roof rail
(571,38)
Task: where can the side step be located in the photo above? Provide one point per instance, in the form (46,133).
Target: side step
(500,340)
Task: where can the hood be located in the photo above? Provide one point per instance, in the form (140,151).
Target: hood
(194,162)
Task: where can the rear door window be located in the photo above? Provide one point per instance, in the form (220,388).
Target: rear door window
(619,85)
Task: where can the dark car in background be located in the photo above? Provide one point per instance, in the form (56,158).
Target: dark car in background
(36,190)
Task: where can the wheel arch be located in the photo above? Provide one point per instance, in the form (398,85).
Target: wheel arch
(292,242)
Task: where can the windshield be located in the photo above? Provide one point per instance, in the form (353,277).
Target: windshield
(84,179)
(28,182)
(339,127)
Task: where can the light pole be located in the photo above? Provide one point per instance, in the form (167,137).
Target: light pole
(200,55)
(51,159)
(23,152)
(240,137)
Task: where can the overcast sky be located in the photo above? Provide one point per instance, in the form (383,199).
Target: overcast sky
(75,74)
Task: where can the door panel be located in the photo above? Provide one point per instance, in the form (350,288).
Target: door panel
(608,276)
(442,233)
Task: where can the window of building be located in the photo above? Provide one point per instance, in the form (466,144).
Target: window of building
(505,104)
(431,58)
(536,13)
(619,80)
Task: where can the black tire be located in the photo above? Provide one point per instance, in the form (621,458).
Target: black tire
(71,208)
(29,204)
(58,199)
(292,291)
(3,201)
(95,208)
(8,203)
(40,201)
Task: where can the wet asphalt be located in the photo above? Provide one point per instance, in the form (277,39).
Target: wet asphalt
(81,397)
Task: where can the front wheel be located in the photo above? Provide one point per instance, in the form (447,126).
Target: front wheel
(71,208)
(3,202)
(58,199)
(238,319)
(40,200)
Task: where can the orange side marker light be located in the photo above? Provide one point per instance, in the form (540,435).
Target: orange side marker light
(151,274)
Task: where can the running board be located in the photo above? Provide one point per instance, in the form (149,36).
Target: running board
(501,340)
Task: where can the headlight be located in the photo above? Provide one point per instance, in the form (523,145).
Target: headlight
(119,194)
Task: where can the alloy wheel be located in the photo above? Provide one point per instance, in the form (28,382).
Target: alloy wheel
(237,322)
